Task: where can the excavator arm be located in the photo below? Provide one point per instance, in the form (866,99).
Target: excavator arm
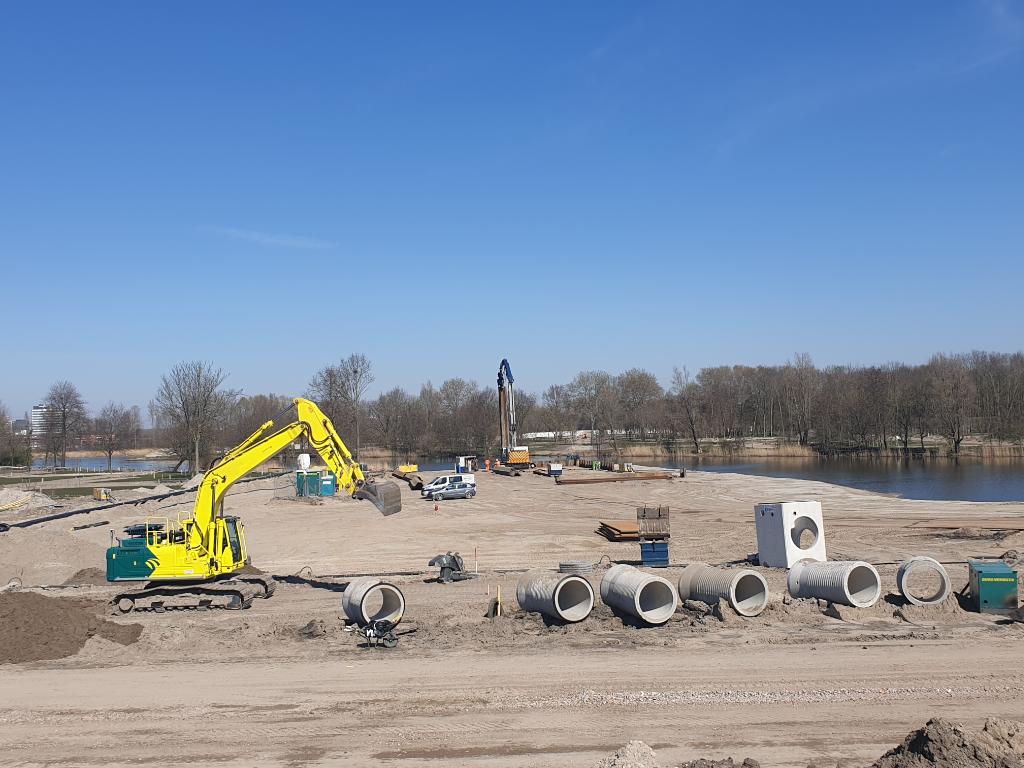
(261,446)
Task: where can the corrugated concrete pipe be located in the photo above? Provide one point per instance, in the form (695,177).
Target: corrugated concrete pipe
(923,564)
(368,599)
(649,598)
(847,582)
(556,595)
(745,590)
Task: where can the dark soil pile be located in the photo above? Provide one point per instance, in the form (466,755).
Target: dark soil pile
(34,627)
(999,744)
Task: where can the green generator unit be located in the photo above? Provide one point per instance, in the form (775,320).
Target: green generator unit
(993,586)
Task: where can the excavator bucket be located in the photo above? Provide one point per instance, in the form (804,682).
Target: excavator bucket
(386,496)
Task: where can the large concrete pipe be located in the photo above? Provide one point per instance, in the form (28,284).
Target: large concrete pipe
(926,565)
(745,590)
(557,595)
(847,582)
(650,598)
(369,599)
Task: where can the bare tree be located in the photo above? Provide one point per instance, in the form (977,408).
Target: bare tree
(339,390)
(192,402)
(66,417)
(953,394)
(356,373)
(113,426)
(687,395)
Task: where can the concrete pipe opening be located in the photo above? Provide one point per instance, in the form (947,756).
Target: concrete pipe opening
(749,594)
(574,599)
(656,602)
(923,581)
(369,599)
(568,598)
(862,586)
(650,598)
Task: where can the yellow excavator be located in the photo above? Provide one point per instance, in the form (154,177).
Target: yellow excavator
(202,562)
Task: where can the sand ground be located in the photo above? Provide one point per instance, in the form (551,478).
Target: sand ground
(249,689)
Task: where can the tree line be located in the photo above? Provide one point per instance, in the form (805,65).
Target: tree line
(891,407)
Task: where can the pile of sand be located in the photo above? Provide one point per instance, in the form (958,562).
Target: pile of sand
(34,627)
(636,754)
(42,556)
(999,744)
(88,577)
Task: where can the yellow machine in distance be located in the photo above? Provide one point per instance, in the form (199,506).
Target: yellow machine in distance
(198,562)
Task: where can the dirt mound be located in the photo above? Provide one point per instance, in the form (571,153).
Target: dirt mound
(95,577)
(46,555)
(999,744)
(635,754)
(34,627)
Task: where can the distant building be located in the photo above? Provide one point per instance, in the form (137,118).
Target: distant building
(40,419)
(20,427)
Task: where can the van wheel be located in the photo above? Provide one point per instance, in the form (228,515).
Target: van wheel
(436,497)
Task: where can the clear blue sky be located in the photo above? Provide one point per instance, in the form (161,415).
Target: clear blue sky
(271,186)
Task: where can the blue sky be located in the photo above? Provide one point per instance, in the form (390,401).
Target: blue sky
(576,185)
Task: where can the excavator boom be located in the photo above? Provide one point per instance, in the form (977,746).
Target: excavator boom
(182,560)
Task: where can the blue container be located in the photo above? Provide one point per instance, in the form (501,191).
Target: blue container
(654,554)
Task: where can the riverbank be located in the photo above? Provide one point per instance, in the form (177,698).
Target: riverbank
(772,447)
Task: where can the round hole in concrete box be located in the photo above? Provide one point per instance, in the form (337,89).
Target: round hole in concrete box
(805,532)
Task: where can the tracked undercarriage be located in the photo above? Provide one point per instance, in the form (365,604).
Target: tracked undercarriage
(234,592)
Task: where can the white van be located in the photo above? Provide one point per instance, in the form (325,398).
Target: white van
(445,480)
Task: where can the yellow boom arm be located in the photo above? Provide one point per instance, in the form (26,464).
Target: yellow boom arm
(260,447)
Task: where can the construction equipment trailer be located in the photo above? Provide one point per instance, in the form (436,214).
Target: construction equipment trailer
(512,454)
(202,562)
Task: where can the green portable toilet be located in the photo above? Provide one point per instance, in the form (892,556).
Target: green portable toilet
(993,586)
(307,483)
(328,484)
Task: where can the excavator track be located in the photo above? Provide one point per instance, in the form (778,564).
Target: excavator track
(230,594)
(263,581)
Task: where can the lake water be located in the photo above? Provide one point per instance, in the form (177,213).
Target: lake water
(100,463)
(936,479)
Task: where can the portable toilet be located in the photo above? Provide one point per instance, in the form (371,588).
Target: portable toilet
(328,484)
(307,483)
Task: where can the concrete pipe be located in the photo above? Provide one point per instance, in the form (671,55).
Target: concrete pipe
(744,589)
(649,598)
(556,595)
(926,565)
(847,582)
(369,599)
